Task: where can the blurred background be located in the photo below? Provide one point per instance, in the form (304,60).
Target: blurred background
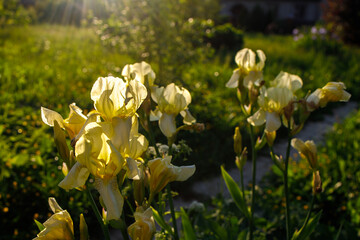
(52,51)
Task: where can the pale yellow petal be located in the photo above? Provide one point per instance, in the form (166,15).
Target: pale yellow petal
(188,118)
(75,178)
(234,80)
(273,121)
(54,205)
(167,124)
(111,196)
(49,116)
(258,118)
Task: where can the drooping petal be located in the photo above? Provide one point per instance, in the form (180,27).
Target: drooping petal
(273,121)
(258,118)
(167,124)
(234,80)
(162,172)
(253,78)
(111,196)
(188,118)
(75,178)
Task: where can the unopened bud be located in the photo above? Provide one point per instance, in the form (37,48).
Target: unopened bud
(241,160)
(237,141)
(65,169)
(270,137)
(317,184)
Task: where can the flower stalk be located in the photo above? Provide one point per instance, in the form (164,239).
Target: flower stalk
(103,226)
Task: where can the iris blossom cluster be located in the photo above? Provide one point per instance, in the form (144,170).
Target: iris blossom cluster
(107,143)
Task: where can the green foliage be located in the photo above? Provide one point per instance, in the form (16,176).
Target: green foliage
(12,13)
(226,37)
(167,34)
(339,200)
(235,192)
(58,65)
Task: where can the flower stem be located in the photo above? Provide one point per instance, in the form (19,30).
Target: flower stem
(104,227)
(123,228)
(253,157)
(309,212)
(172,210)
(242,182)
(286,187)
(170,198)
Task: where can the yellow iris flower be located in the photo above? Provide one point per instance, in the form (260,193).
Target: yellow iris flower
(73,124)
(144,226)
(331,92)
(58,226)
(162,172)
(306,150)
(114,97)
(273,100)
(248,68)
(171,101)
(141,72)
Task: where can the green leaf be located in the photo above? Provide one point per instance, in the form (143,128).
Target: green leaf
(235,192)
(305,231)
(160,220)
(39,225)
(242,235)
(219,231)
(60,141)
(189,233)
